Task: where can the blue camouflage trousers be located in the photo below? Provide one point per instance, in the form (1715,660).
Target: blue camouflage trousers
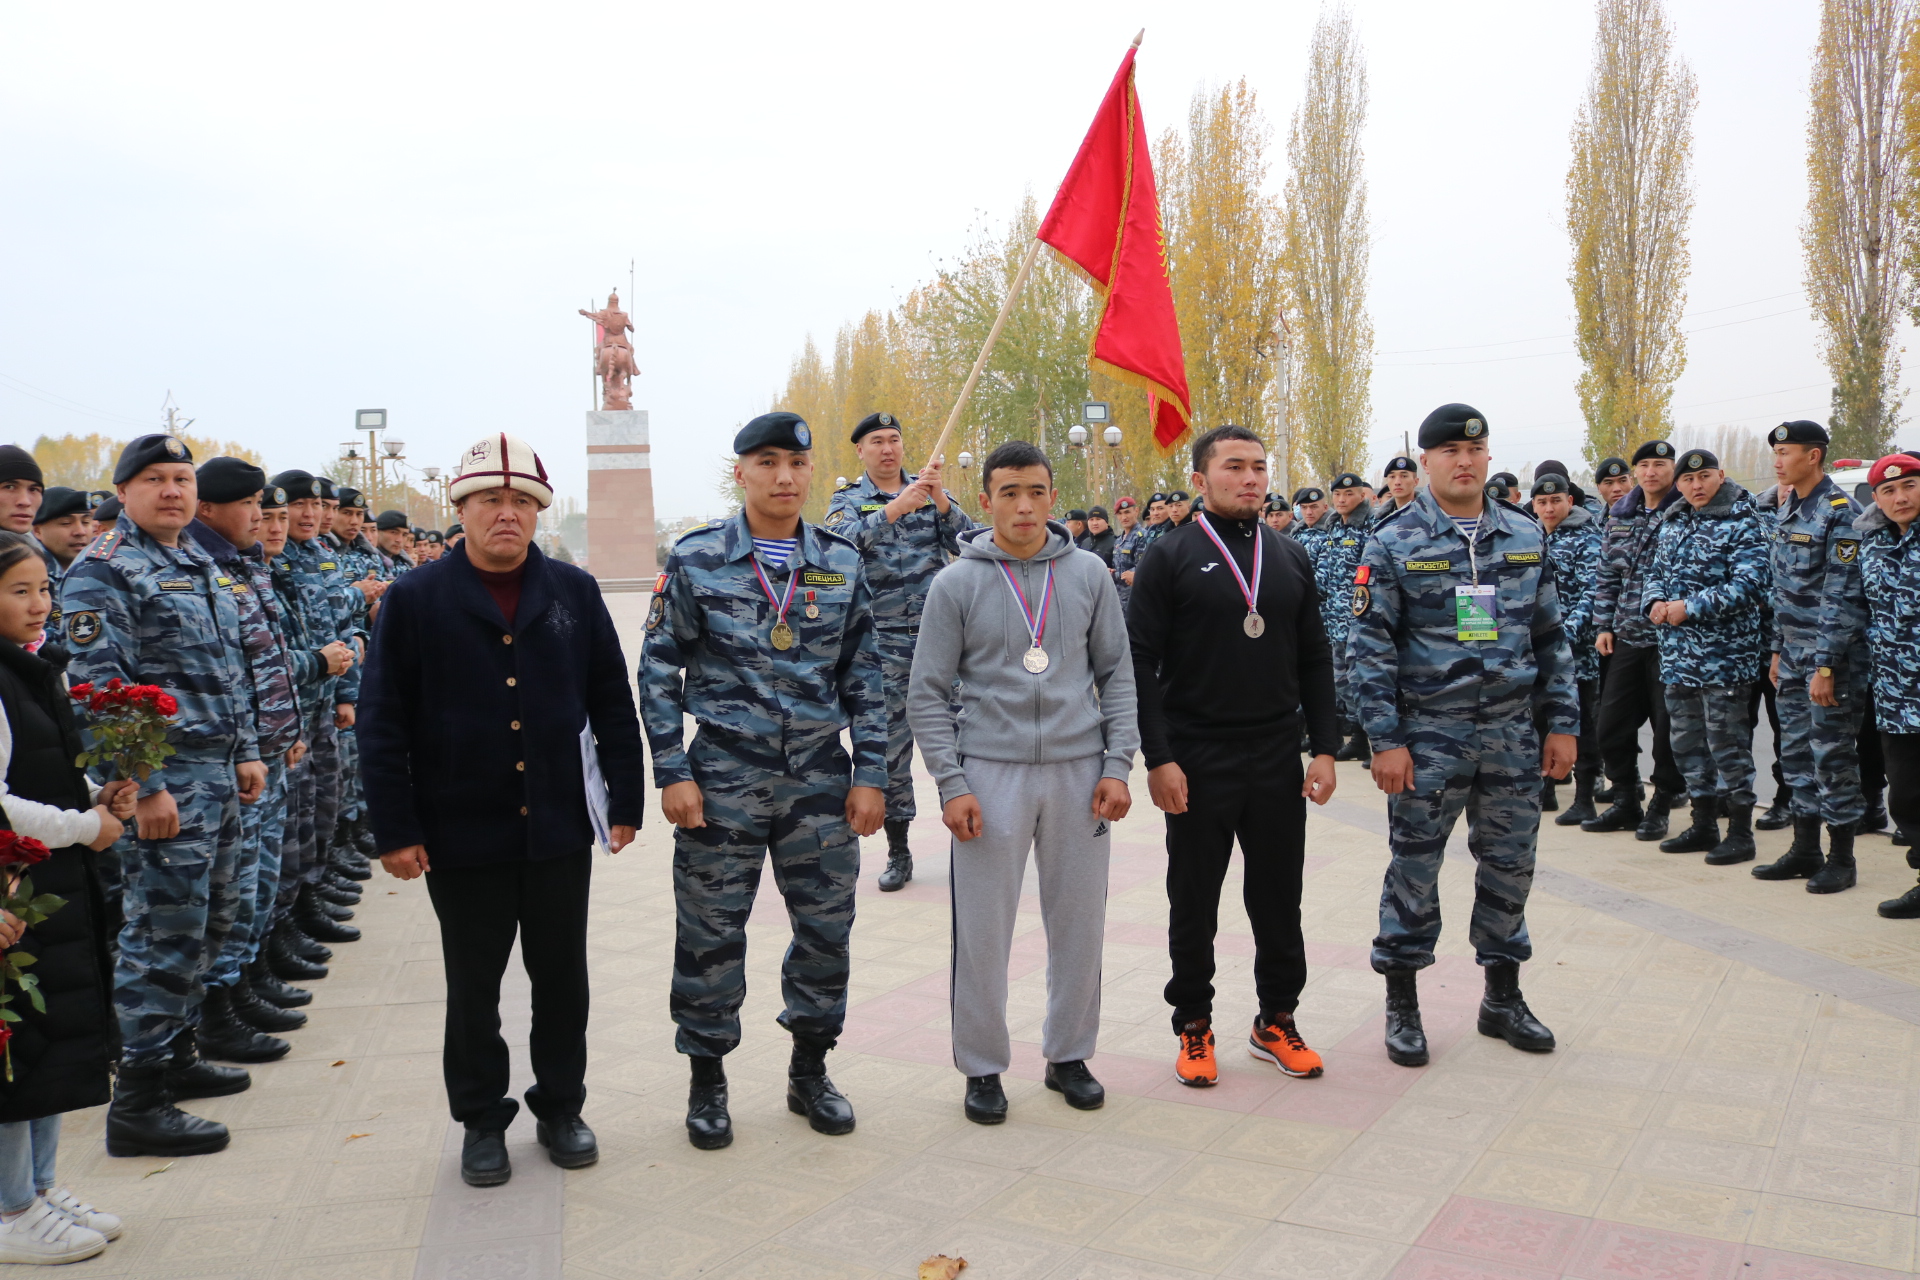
(751,813)
(1344,700)
(1492,773)
(896,664)
(180,902)
(1712,734)
(1819,746)
(349,776)
(256,883)
(307,782)
(323,748)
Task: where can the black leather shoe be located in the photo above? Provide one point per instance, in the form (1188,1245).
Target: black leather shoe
(188,1075)
(1901,841)
(811,1094)
(337,912)
(1625,813)
(286,962)
(1701,837)
(709,1127)
(1406,1038)
(1838,872)
(987,1101)
(1074,1082)
(568,1141)
(1505,1016)
(483,1158)
(1801,859)
(260,1014)
(266,984)
(1779,814)
(1904,907)
(302,944)
(223,1035)
(1654,825)
(899,856)
(142,1121)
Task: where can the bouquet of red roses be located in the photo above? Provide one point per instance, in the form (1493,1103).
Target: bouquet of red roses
(129,724)
(17,853)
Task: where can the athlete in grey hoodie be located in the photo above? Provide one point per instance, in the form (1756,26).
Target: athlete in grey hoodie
(1037,759)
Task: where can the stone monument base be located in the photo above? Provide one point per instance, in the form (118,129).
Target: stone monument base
(620,546)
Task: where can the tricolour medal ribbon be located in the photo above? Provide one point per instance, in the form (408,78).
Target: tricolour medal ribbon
(1254,624)
(779,603)
(1036,657)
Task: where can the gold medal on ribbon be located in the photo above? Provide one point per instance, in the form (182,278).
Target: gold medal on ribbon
(782,636)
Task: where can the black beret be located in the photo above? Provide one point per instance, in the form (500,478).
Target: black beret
(1506,478)
(1402,463)
(1310,494)
(779,430)
(1653,449)
(1452,422)
(1611,469)
(229,479)
(1698,460)
(60,501)
(874,422)
(329,490)
(1497,488)
(1551,482)
(17,464)
(1799,431)
(299,484)
(1156,497)
(139,455)
(1179,495)
(1077,514)
(1380,491)
(351,499)
(98,496)
(1554,465)
(1347,480)
(1096,513)
(434,535)
(272,498)
(456,530)
(390,520)
(107,512)
(1277,503)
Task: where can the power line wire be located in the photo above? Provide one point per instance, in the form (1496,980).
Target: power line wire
(1554,337)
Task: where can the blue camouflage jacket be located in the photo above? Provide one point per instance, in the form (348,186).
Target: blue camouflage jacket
(276,709)
(1406,661)
(1819,605)
(1337,556)
(329,613)
(1626,552)
(303,646)
(1575,548)
(1714,559)
(1126,557)
(901,556)
(779,711)
(1890,576)
(148,613)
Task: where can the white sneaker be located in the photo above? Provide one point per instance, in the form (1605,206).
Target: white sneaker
(70,1207)
(42,1236)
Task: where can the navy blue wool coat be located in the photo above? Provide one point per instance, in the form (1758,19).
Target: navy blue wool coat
(470,730)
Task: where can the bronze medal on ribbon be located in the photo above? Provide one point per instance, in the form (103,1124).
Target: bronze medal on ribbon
(782,636)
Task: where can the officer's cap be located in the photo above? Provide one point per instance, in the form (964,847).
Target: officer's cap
(17,464)
(351,499)
(1179,495)
(391,520)
(272,498)
(1310,494)
(229,479)
(869,424)
(1611,469)
(107,512)
(1698,460)
(58,502)
(1347,480)
(1799,431)
(779,430)
(1551,482)
(1077,514)
(1402,463)
(1452,422)
(142,453)
(1653,449)
(1894,466)
(299,484)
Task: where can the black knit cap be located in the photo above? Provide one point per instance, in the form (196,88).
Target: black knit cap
(229,479)
(1096,513)
(272,498)
(60,501)
(1402,463)
(875,422)
(142,453)
(1554,465)
(1452,422)
(351,499)
(17,464)
(1653,449)
(1611,469)
(390,520)
(299,484)
(1698,460)
(1800,431)
(780,430)
(1347,480)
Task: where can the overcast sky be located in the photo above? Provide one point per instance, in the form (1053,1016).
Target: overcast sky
(283,214)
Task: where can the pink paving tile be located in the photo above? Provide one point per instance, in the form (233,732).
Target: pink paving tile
(1134,934)
(1315,862)
(1504,1233)
(899,1008)
(1429,1264)
(1613,1251)
(1335,955)
(1317,1102)
(872,1037)
(938,983)
(1354,1069)
(1444,1030)
(1775,1264)
(930,1045)
(1241,1091)
(1125,1074)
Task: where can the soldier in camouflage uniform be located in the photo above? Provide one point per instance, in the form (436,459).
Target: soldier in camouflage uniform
(1128,548)
(146,606)
(1458,650)
(366,574)
(1342,538)
(907,528)
(1890,576)
(1820,664)
(761,629)
(1705,593)
(1310,529)
(1573,543)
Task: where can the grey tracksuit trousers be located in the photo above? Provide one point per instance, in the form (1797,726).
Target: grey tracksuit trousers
(1047,808)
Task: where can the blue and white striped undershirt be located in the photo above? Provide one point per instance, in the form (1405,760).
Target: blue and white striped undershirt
(1468,525)
(775,551)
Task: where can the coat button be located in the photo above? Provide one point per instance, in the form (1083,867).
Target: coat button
(521,766)
(523,811)
(506,639)
(516,724)
(511,682)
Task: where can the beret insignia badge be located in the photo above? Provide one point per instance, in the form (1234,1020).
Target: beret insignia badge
(175,449)
(1474,428)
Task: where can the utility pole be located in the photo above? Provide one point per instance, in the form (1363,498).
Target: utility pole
(175,423)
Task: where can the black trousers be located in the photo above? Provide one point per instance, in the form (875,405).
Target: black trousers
(1873,763)
(480,911)
(1586,765)
(1902,754)
(1632,696)
(1763,691)
(1248,791)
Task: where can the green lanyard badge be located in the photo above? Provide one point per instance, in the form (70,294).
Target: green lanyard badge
(1474,613)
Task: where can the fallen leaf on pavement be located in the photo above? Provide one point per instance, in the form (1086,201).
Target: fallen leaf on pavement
(341,1063)
(162,1169)
(941,1267)
(352,1136)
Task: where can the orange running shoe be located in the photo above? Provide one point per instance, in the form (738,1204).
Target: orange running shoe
(1196,1065)
(1279,1042)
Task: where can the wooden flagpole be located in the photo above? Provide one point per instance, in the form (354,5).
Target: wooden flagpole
(986,349)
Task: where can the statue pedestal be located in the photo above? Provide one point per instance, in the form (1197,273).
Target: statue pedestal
(620,549)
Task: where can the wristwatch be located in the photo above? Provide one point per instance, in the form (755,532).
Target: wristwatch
(1824,671)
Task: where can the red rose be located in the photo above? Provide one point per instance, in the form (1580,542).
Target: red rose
(21,851)
(80,692)
(6,1034)
(115,683)
(165,704)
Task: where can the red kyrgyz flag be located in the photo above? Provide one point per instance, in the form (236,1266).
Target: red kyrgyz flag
(1106,221)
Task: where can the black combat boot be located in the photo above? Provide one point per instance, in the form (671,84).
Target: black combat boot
(709,1127)
(1549,797)
(1358,749)
(269,986)
(223,1035)
(1800,860)
(289,963)
(334,911)
(1738,846)
(363,836)
(1580,812)
(188,1075)
(1702,836)
(329,890)
(1406,1038)
(302,942)
(1904,907)
(144,1122)
(1838,872)
(1654,825)
(316,924)
(1505,1016)
(1625,813)
(899,856)
(810,1093)
(1876,816)
(1900,839)
(354,870)
(259,1013)
(1779,814)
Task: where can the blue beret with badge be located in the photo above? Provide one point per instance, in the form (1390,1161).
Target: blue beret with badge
(777,430)
(1347,480)
(60,502)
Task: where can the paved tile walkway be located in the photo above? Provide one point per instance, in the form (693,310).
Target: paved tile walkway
(1735,1095)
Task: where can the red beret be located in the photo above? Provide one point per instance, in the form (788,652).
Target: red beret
(1894,466)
